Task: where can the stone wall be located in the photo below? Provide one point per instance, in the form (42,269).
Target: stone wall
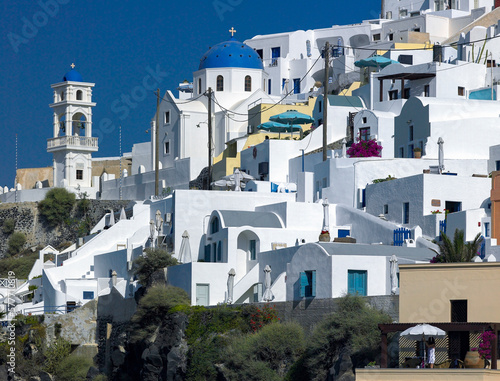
(28,221)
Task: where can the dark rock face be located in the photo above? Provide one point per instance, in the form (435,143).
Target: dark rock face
(161,357)
(342,369)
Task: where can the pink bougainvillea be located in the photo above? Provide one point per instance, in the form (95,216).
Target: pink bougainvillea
(365,148)
(485,344)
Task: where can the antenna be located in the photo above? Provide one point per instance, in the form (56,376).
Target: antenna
(120,162)
(15,179)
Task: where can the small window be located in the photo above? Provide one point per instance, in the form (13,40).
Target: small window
(260,52)
(320,103)
(386,209)
(324,182)
(376,37)
(79,95)
(79,174)
(406,93)
(364,120)
(410,133)
(248,83)
(219,252)
(403,12)
(275,54)
(207,253)
(410,150)
(62,95)
(220,83)
(486,229)
(357,282)
(390,36)
(269,86)
(461,91)
(88,295)
(167,117)
(490,63)
(296,85)
(393,95)
(364,133)
(406,213)
(167,148)
(497,165)
(401,152)
(253,249)
(308,284)
(427,91)
(388,15)
(199,85)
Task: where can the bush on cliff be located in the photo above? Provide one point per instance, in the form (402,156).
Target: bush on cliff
(57,205)
(16,243)
(153,307)
(8,226)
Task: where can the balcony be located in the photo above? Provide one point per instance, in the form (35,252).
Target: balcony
(79,143)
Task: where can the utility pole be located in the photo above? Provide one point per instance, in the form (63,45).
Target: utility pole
(157,143)
(325,97)
(209,187)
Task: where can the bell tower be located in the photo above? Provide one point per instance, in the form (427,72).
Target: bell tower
(72,143)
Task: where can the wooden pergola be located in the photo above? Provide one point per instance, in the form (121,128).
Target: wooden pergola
(402,77)
(447,327)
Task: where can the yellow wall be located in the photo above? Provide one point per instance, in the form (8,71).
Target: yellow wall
(426,291)
(28,177)
(427,375)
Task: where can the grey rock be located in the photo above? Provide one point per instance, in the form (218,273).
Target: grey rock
(92,373)
(44,376)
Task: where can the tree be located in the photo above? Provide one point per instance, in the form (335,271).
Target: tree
(8,226)
(57,206)
(457,250)
(15,243)
(153,260)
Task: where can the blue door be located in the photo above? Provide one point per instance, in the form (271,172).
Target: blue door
(356,282)
(296,85)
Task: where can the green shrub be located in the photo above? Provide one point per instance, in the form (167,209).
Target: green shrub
(152,261)
(21,265)
(153,307)
(8,226)
(56,206)
(16,243)
(56,353)
(355,326)
(73,368)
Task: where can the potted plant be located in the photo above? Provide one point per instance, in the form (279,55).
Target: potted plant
(417,153)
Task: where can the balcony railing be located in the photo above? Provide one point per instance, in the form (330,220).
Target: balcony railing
(78,141)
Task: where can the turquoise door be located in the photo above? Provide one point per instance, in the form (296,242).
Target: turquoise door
(356,282)
(202,294)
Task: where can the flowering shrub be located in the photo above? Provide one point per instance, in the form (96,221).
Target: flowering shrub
(262,317)
(485,343)
(365,148)
(439,258)
(446,211)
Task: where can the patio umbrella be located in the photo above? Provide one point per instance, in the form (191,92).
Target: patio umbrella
(237,180)
(440,155)
(278,127)
(394,274)
(185,250)
(111,217)
(268,294)
(230,286)
(292,117)
(123,215)
(422,331)
(375,61)
(344,148)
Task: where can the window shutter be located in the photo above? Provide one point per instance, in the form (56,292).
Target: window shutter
(351,289)
(313,293)
(303,284)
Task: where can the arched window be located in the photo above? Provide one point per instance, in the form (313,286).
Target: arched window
(214,225)
(248,83)
(79,95)
(199,85)
(62,95)
(220,83)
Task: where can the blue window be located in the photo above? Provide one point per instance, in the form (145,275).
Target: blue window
(296,85)
(219,252)
(308,283)
(275,54)
(88,295)
(356,282)
(214,226)
(486,229)
(283,84)
(269,86)
(406,213)
(253,250)
(343,233)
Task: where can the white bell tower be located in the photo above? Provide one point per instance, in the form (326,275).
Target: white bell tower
(72,143)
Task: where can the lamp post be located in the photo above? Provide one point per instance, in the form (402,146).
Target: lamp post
(152,233)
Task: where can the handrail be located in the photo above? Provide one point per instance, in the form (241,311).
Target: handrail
(72,140)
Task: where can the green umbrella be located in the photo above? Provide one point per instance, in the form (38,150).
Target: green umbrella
(291,117)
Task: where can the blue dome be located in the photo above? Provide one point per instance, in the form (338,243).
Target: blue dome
(73,76)
(231,53)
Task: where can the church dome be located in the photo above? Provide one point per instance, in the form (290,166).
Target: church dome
(231,53)
(72,76)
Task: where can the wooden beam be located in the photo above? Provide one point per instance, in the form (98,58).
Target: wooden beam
(383,347)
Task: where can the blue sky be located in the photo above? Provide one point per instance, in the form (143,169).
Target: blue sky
(116,44)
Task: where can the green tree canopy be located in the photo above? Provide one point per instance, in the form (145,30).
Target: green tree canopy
(57,205)
(153,260)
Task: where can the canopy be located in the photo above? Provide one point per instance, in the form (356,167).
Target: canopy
(375,61)
(423,331)
(278,127)
(291,117)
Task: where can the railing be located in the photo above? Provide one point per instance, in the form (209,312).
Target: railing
(81,141)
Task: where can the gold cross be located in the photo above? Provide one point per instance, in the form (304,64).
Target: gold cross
(232,31)
(72,65)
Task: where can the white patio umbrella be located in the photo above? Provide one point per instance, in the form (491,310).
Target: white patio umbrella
(344,148)
(111,217)
(236,180)
(185,250)
(230,286)
(440,155)
(123,215)
(394,274)
(422,331)
(268,294)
